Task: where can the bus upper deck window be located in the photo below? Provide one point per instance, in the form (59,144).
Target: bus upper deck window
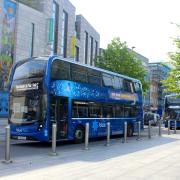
(116,83)
(78,73)
(107,80)
(137,87)
(128,87)
(94,77)
(60,70)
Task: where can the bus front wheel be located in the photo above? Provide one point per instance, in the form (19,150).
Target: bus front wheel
(130,130)
(79,135)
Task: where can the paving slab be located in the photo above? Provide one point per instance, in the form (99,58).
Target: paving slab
(155,158)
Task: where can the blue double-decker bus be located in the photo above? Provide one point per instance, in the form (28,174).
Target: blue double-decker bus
(49,90)
(172,110)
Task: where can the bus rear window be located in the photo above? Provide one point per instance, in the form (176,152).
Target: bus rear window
(30,69)
(137,87)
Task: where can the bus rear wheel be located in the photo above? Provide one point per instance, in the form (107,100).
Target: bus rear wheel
(79,135)
(130,130)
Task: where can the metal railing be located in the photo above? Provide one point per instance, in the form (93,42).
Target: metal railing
(7,146)
(125,132)
(54,137)
(108,134)
(86,147)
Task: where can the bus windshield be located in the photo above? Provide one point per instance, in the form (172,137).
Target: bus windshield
(24,109)
(173,100)
(30,69)
(172,107)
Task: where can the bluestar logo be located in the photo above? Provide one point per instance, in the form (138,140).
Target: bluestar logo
(18,130)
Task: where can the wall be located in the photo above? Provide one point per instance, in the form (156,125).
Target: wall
(84,25)
(40,18)
(158,72)
(27,16)
(64,5)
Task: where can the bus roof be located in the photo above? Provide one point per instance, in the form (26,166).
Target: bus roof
(71,60)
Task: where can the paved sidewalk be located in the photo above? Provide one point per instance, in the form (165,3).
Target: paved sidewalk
(155,159)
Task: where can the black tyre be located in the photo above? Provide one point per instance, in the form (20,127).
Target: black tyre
(79,135)
(130,130)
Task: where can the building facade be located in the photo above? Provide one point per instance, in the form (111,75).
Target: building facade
(158,72)
(88,41)
(44,27)
(57,32)
(145,64)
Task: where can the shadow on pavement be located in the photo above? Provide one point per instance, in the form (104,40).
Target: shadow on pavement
(34,155)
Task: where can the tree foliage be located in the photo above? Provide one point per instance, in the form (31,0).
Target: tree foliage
(118,58)
(172,83)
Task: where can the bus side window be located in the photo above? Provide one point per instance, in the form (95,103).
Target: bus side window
(128,86)
(60,70)
(79,109)
(127,111)
(75,111)
(116,83)
(83,111)
(121,83)
(137,87)
(132,87)
(94,77)
(78,73)
(108,111)
(134,111)
(95,111)
(119,111)
(107,80)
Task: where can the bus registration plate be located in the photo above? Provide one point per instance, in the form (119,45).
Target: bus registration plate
(21,138)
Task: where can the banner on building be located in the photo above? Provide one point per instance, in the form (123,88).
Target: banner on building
(7,40)
(73,45)
(51,30)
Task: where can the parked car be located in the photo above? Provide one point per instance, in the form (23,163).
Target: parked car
(153,117)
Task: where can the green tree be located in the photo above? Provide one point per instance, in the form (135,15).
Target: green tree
(118,58)
(172,83)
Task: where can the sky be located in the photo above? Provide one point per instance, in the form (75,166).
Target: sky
(143,24)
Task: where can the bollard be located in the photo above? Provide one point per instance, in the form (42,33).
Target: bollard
(149,130)
(125,133)
(169,123)
(7,146)
(54,130)
(139,130)
(175,126)
(86,137)
(108,134)
(160,123)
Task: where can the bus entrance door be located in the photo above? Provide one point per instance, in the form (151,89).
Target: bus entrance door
(62,117)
